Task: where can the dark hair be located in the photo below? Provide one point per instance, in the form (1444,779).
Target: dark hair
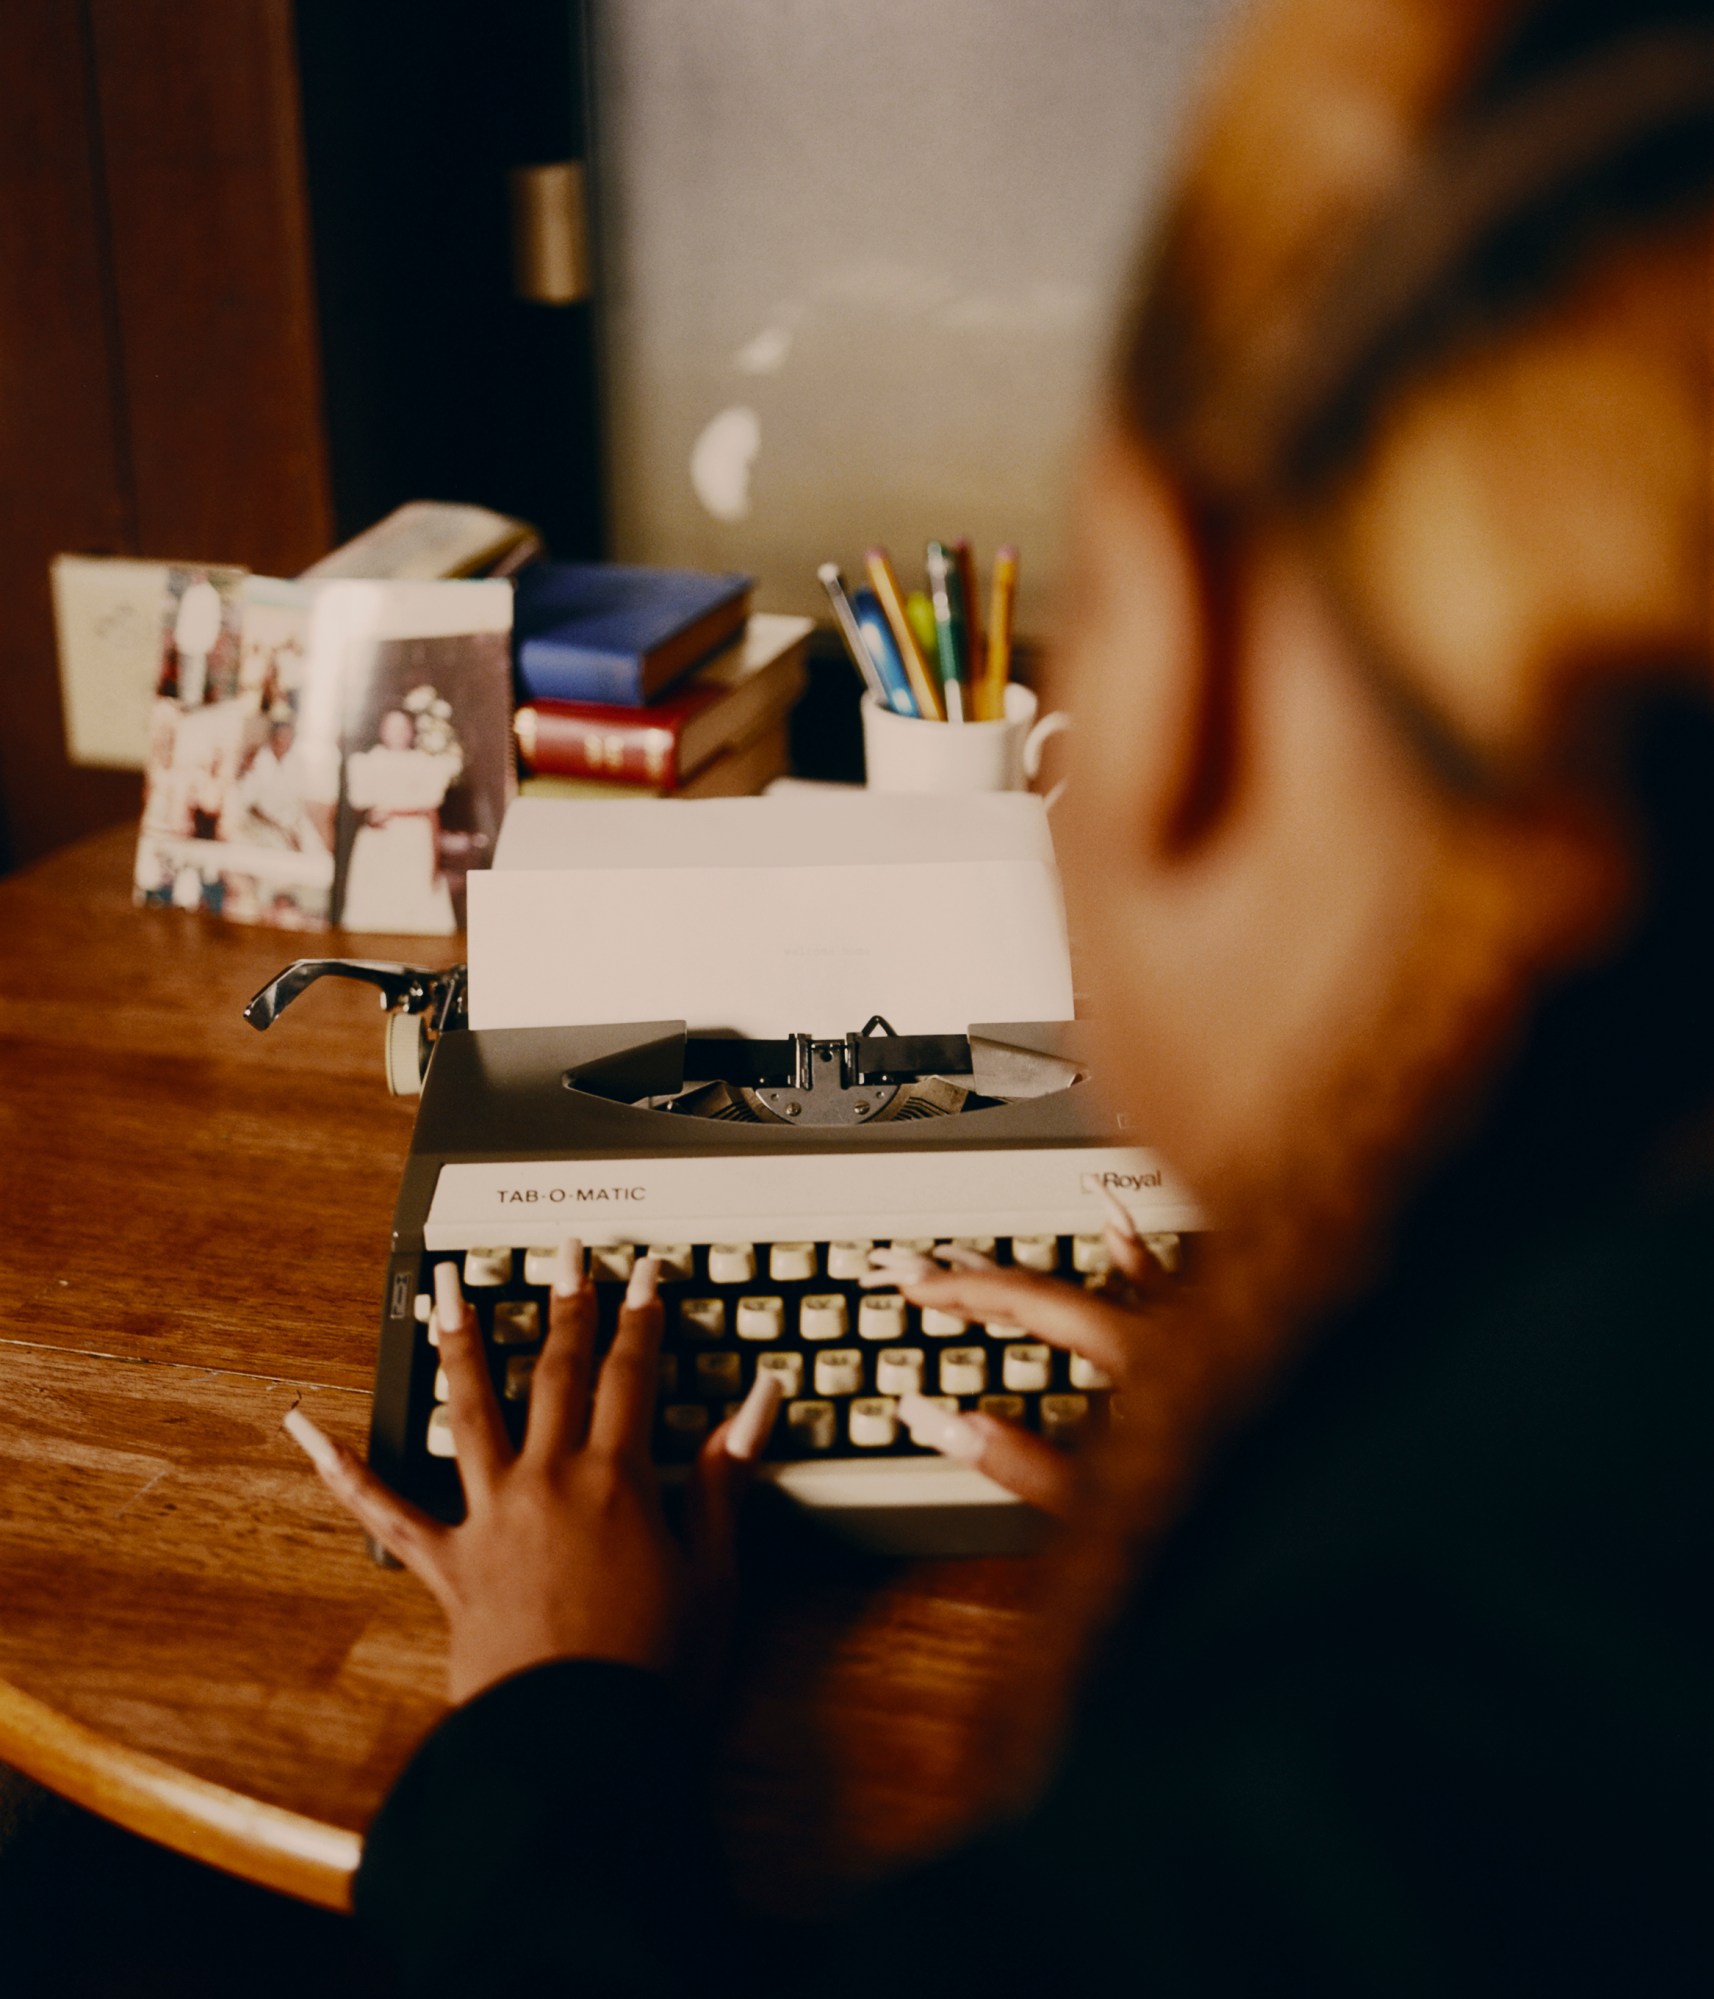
(1591,120)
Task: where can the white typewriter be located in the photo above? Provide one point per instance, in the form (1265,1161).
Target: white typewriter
(760,1170)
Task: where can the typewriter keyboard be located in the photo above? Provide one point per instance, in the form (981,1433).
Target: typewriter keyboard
(843,1355)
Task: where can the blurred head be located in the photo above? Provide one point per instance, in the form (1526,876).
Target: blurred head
(397,731)
(1397,516)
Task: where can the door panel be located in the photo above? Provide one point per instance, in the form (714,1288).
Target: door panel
(64,473)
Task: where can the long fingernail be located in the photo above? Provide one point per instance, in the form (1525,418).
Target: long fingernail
(1130,1259)
(448,1296)
(1119,1216)
(568,1268)
(749,1429)
(311,1439)
(898,1266)
(644,1286)
(957,1257)
(940,1429)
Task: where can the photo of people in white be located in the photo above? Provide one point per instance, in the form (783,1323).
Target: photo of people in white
(234,820)
(397,787)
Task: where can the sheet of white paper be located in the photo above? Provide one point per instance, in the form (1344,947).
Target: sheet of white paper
(781,920)
(799,830)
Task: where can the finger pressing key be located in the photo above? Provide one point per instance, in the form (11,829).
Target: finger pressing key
(1124,1243)
(559,1389)
(625,1393)
(1062,1314)
(478,1429)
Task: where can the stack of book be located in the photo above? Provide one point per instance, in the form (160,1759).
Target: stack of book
(650,682)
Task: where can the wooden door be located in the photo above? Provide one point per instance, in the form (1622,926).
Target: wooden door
(159,376)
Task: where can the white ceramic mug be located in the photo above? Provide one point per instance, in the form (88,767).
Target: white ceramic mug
(905,753)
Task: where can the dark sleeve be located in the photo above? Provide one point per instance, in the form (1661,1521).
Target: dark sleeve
(550,1837)
(1415,1703)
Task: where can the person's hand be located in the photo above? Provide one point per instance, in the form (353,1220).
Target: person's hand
(1101,1328)
(564,1551)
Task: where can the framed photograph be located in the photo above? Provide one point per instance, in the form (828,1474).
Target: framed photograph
(425,746)
(232,822)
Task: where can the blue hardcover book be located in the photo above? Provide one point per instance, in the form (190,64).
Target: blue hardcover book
(602,631)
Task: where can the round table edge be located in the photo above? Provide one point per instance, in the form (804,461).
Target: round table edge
(263,1843)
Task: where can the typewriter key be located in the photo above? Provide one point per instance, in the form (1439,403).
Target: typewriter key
(839,1371)
(612,1263)
(1009,1408)
(676,1259)
(811,1426)
(899,1371)
(1085,1374)
(788,1367)
(881,1316)
(517,1322)
(439,1439)
(539,1265)
(848,1261)
(792,1262)
(1027,1370)
(1035,1252)
(963,1371)
(487,1266)
(940,1325)
(702,1318)
(824,1316)
(732,1263)
(1090,1255)
(1166,1250)
(874,1422)
(519,1368)
(761,1318)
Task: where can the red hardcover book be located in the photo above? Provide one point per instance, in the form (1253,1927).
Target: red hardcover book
(725,702)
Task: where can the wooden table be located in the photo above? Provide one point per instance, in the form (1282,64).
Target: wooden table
(192,1640)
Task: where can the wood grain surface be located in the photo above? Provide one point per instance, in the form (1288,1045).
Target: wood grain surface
(192,1640)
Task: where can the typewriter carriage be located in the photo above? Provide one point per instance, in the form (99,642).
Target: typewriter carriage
(870,1075)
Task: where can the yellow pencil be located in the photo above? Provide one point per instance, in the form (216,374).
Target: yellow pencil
(1004,594)
(925,687)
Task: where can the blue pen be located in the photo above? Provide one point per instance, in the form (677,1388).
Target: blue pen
(884,651)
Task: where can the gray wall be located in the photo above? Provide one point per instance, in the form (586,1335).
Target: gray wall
(893,233)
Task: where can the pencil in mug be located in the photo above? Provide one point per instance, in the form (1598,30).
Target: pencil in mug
(999,669)
(877,636)
(924,690)
(846,619)
(973,651)
(921,614)
(944,587)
